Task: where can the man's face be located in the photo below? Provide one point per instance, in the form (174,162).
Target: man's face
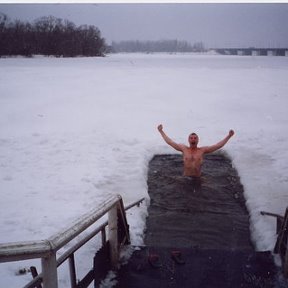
(193,140)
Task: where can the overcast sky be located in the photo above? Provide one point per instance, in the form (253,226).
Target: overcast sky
(216,25)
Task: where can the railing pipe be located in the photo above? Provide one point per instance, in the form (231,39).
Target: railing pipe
(35,282)
(61,239)
(272,214)
(79,244)
(134,204)
(113,236)
(24,250)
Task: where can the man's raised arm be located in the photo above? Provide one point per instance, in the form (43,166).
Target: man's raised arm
(210,149)
(168,140)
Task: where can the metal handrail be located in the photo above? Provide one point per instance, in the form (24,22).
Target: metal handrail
(60,239)
(38,249)
(272,214)
(46,249)
(281,243)
(24,250)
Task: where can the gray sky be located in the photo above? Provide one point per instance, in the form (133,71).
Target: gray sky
(216,25)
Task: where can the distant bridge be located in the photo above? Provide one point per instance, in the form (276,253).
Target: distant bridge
(253,51)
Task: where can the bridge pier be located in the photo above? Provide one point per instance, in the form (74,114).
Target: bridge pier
(271,53)
(255,52)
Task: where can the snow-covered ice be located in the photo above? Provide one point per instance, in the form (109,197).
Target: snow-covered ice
(73,131)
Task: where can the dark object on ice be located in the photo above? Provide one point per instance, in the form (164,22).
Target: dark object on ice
(176,255)
(184,213)
(154,260)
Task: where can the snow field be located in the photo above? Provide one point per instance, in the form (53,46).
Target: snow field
(76,130)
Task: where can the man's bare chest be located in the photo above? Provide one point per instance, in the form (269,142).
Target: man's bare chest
(193,155)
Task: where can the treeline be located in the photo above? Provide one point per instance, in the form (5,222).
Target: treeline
(49,36)
(168,46)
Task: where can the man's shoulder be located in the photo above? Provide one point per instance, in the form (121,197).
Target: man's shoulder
(204,149)
(183,146)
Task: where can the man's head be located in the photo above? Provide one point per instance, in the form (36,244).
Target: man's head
(193,140)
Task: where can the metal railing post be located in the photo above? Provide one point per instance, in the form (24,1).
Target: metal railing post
(49,271)
(285,262)
(113,237)
(72,269)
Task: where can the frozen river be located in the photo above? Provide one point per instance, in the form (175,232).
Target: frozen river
(76,130)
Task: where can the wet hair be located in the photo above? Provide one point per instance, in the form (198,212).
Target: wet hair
(193,134)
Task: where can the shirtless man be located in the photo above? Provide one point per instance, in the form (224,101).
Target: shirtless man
(193,155)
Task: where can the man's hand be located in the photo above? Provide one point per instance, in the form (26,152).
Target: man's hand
(160,128)
(231,133)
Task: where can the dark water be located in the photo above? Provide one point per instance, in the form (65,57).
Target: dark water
(186,212)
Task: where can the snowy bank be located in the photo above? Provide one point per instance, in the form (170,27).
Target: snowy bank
(76,130)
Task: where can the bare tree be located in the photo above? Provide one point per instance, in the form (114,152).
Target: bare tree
(49,36)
